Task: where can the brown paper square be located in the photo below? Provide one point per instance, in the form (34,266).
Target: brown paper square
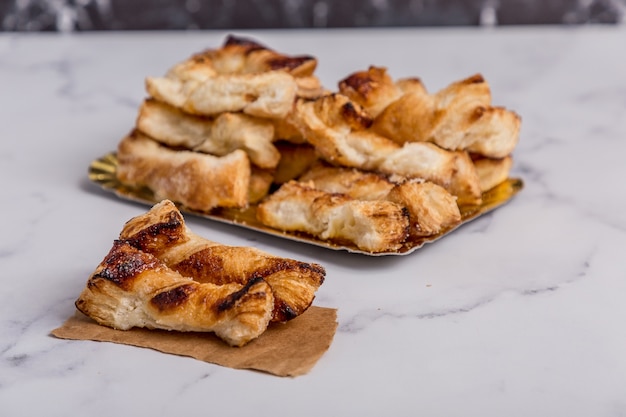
(289,349)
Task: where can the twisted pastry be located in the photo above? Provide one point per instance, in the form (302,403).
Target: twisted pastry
(242,75)
(338,128)
(373,226)
(183,176)
(162,232)
(131,288)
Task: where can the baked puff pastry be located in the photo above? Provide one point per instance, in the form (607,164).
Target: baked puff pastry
(431,208)
(131,288)
(200,181)
(162,233)
(159,275)
(338,128)
(373,89)
(242,75)
(239,55)
(373,226)
(218,135)
(458,117)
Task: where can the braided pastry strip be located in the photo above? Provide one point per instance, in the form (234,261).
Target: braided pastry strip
(162,232)
(131,288)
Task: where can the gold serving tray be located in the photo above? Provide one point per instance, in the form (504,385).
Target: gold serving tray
(102,172)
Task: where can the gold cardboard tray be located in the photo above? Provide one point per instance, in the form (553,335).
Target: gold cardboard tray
(102,172)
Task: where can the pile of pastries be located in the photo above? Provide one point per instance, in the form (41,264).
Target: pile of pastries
(375,163)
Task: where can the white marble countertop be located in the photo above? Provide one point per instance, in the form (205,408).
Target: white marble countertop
(519,313)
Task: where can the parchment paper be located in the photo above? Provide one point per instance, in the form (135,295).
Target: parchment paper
(289,349)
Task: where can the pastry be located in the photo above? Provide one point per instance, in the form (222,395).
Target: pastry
(492,172)
(200,181)
(162,232)
(269,94)
(131,288)
(242,75)
(373,89)
(357,184)
(218,136)
(373,226)
(338,128)
(458,117)
(239,55)
(294,161)
(431,208)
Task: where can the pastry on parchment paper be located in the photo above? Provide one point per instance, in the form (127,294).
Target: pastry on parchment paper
(160,275)
(162,232)
(131,288)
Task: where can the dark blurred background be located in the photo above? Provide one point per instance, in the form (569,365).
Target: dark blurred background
(90,15)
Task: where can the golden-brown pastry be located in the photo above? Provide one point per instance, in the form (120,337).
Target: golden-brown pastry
(373,226)
(373,89)
(352,182)
(242,75)
(239,55)
(338,130)
(269,94)
(246,55)
(162,232)
(452,170)
(410,118)
(494,132)
(431,208)
(260,184)
(336,127)
(217,136)
(458,117)
(200,181)
(170,126)
(492,172)
(286,131)
(131,288)
(294,160)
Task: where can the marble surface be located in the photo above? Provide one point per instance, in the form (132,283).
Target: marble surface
(88,15)
(518,313)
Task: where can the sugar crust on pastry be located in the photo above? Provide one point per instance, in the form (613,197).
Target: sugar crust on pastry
(160,275)
(131,288)
(163,233)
